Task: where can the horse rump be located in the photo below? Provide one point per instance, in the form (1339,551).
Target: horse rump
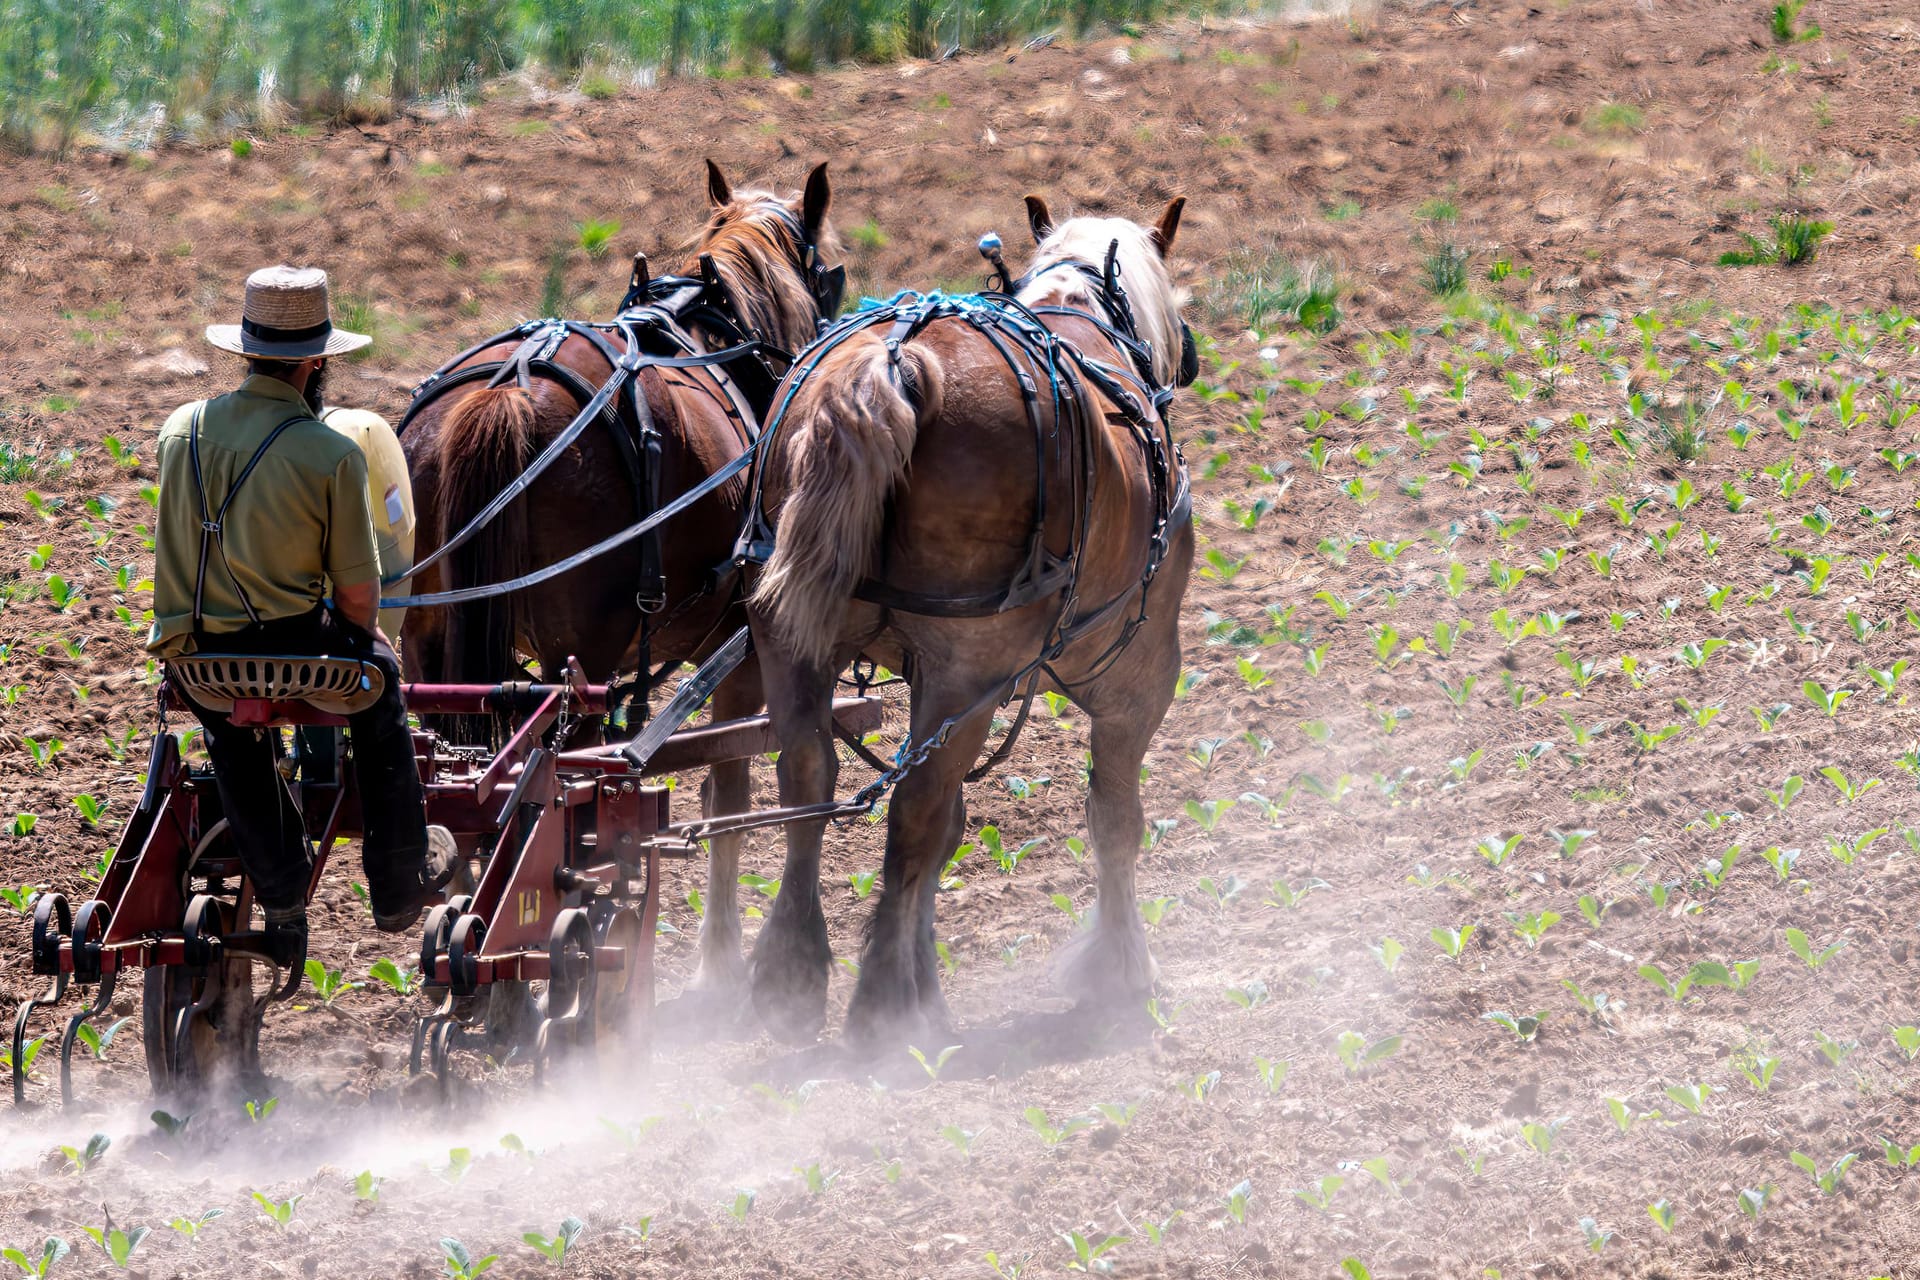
(846,440)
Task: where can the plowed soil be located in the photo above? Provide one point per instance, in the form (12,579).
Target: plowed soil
(1337,791)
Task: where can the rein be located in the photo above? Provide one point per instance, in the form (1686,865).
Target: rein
(657,314)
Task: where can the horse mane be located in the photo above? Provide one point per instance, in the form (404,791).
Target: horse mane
(751,240)
(1143,274)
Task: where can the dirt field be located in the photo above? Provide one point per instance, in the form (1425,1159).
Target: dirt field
(1338,791)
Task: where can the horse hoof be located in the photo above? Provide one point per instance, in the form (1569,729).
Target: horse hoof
(789,982)
(793,1012)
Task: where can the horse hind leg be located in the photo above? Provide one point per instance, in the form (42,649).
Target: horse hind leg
(722,975)
(792,957)
(1108,963)
(897,999)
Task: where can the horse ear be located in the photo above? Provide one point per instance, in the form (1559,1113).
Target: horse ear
(717,189)
(1169,225)
(814,204)
(1039,219)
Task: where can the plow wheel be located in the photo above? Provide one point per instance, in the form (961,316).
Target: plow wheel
(200,1020)
(623,1000)
(571,983)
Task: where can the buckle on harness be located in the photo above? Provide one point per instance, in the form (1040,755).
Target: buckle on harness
(210,526)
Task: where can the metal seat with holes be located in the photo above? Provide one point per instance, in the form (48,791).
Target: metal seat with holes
(260,689)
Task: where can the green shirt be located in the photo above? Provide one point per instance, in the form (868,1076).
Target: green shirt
(300,520)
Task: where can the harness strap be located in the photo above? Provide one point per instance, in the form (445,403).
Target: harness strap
(212,528)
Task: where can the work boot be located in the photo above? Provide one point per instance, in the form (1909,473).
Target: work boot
(400,909)
(286,938)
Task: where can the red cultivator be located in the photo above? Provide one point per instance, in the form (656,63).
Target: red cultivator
(569,893)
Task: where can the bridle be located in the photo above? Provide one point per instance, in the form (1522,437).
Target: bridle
(827,286)
(1120,324)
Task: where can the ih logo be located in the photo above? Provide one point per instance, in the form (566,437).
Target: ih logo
(527,905)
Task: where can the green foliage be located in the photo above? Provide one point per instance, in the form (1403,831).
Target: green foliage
(1270,289)
(1796,240)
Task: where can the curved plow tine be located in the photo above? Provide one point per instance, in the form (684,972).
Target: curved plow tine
(55,989)
(52,923)
(101,1001)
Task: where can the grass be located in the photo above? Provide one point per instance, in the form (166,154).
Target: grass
(69,72)
(1796,240)
(1443,269)
(1616,119)
(1783,21)
(1272,289)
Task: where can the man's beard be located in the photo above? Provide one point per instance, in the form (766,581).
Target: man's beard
(316,389)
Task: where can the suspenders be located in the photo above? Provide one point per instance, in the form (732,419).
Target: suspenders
(211,530)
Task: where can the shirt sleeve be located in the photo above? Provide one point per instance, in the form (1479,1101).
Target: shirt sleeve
(351,557)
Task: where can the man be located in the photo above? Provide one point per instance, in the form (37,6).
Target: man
(263,508)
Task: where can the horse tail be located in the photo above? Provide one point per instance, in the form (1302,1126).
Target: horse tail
(484,444)
(846,440)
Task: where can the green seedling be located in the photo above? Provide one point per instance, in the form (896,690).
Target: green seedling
(1661,1211)
(1320,1194)
(1008,1268)
(97,1039)
(742,1203)
(1899,1154)
(462,1265)
(1089,1256)
(1497,849)
(1051,1134)
(1533,926)
(1693,1097)
(1357,1053)
(80,1159)
(1254,994)
(1452,941)
(1524,1026)
(1835,1051)
(1752,1201)
(328,984)
(118,1245)
(365,1186)
(1542,1136)
(278,1212)
(1238,1200)
(1570,841)
(1386,953)
(401,981)
(937,1064)
(961,1139)
(1832,1177)
(1201,1087)
(1828,700)
(38,1265)
(1810,955)
(1788,790)
(1849,790)
(554,1248)
(192,1227)
(1596,1237)
(1625,1117)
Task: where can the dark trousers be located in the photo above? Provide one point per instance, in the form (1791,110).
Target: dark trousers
(267,828)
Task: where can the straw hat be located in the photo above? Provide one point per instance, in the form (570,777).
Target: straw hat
(285,318)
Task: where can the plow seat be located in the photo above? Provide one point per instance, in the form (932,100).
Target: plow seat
(257,689)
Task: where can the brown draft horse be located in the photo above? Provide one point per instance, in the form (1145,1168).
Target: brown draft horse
(917,466)
(469,444)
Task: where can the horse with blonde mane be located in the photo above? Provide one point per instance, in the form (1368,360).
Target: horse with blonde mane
(473,437)
(985,497)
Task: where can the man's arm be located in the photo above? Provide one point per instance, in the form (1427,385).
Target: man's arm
(360,605)
(352,562)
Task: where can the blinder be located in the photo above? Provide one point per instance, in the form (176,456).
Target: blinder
(1189,356)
